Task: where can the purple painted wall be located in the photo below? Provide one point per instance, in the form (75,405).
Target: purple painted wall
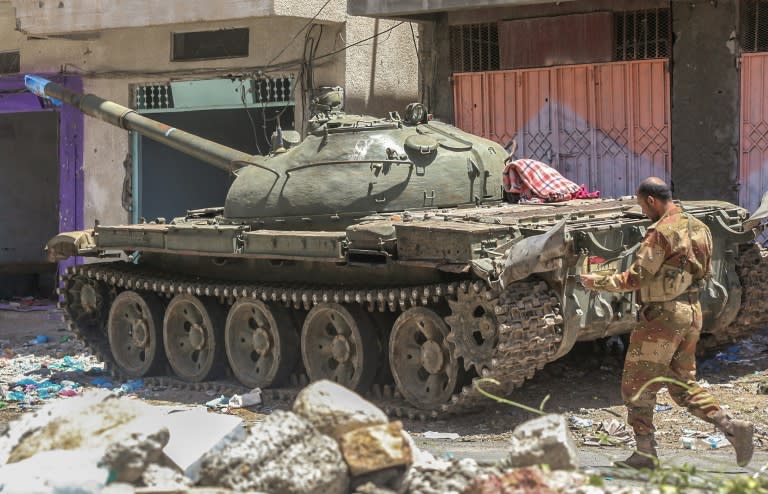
(14,98)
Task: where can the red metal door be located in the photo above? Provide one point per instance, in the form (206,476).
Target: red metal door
(753,175)
(603,125)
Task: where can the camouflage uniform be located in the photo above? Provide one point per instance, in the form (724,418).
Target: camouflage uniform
(672,262)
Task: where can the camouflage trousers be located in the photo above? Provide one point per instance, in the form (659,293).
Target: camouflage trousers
(664,344)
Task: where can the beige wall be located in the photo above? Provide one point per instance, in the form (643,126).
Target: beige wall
(68,16)
(10,39)
(379,75)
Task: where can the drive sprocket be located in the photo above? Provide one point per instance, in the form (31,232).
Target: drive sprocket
(474,326)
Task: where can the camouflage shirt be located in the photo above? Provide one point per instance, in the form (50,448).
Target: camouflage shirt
(678,240)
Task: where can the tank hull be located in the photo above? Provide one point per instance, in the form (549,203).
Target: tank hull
(422,284)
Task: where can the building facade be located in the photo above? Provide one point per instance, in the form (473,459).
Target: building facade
(608,92)
(229,70)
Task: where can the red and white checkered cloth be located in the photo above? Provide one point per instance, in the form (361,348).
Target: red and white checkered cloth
(538,182)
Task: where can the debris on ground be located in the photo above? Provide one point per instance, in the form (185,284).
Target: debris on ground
(333,442)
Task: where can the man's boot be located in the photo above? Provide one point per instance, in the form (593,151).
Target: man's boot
(644,457)
(739,434)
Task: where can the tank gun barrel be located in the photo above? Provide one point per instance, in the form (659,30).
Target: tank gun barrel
(216,154)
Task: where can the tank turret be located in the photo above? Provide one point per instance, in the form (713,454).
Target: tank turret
(348,166)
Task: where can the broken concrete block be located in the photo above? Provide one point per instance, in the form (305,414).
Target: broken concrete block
(164,478)
(58,471)
(284,454)
(195,433)
(440,476)
(376,447)
(128,458)
(529,479)
(334,409)
(544,440)
(94,420)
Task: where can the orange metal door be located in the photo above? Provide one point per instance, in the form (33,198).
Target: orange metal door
(753,175)
(603,125)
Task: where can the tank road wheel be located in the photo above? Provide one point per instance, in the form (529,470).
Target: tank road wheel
(422,363)
(134,327)
(192,336)
(261,343)
(87,301)
(336,344)
(474,328)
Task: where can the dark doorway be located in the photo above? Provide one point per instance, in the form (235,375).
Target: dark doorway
(29,201)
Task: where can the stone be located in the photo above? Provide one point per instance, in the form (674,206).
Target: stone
(128,459)
(282,454)
(165,478)
(195,433)
(544,440)
(334,409)
(528,479)
(440,476)
(375,447)
(100,419)
(56,471)
(94,420)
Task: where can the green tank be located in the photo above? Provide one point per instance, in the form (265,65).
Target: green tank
(380,253)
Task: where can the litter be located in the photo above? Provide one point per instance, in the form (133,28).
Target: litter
(15,396)
(702,440)
(220,402)
(248,399)
(40,339)
(130,386)
(440,435)
(102,382)
(662,407)
(579,422)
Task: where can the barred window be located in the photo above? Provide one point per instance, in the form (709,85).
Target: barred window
(643,34)
(754,25)
(474,47)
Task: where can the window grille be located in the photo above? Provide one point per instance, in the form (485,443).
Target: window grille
(10,62)
(474,47)
(262,91)
(643,34)
(273,90)
(153,97)
(754,25)
(207,45)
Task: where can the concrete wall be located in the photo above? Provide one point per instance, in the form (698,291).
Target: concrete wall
(378,75)
(10,39)
(381,74)
(705,100)
(70,16)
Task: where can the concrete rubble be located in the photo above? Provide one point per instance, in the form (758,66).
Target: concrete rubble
(332,442)
(545,440)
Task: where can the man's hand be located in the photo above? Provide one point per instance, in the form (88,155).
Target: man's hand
(588,281)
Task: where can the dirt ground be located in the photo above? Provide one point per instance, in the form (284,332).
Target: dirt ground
(584,386)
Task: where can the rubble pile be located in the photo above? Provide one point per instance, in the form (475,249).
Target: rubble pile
(331,442)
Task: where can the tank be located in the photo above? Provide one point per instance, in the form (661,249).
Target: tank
(380,253)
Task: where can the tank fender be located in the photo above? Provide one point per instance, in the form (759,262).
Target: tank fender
(719,228)
(535,254)
(758,216)
(69,244)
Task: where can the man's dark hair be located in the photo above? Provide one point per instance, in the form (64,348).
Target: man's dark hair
(655,188)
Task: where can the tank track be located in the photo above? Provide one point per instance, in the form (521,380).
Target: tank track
(529,328)
(752,267)
(752,270)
